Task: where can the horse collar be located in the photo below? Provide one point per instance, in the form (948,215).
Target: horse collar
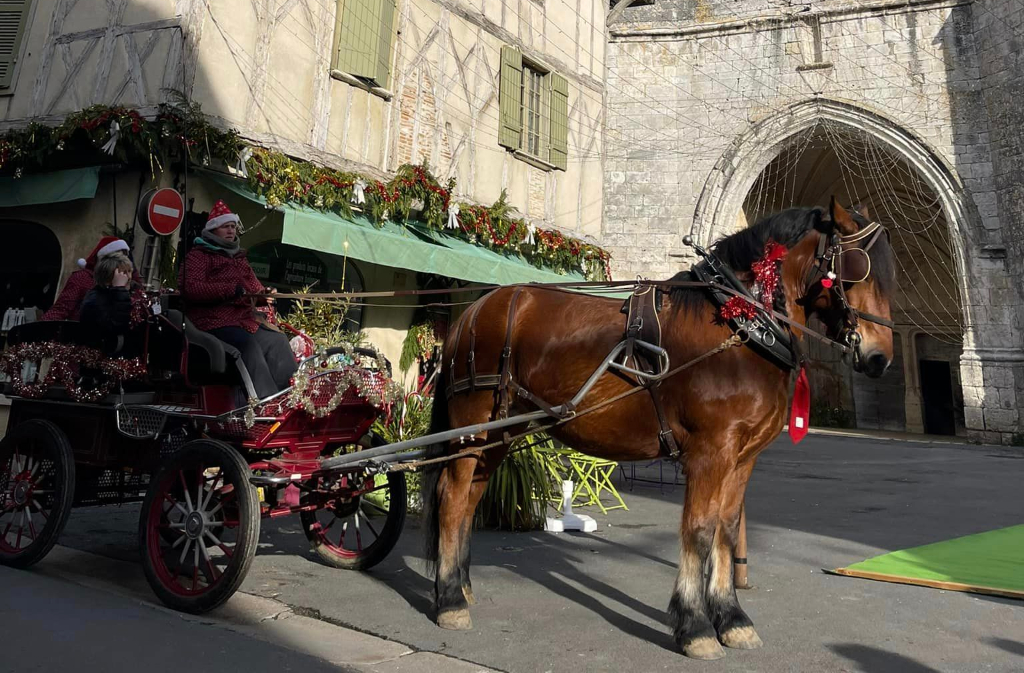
(764,334)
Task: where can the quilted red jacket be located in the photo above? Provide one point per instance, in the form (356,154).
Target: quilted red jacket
(208,282)
(69,302)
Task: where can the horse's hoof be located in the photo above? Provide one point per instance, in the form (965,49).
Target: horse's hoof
(706,649)
(455,620)
(468,593)
(741,638)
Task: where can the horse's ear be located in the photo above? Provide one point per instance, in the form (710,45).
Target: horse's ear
(843,222)
(862,208)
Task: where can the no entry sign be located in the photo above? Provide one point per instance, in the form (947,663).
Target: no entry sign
(161,211)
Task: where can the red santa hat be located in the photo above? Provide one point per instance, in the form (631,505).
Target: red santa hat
(220,215)
(108,245)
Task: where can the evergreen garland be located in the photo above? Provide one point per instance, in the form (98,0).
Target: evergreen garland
(180,132)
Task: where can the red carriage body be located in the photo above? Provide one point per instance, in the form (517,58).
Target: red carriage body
(206,465)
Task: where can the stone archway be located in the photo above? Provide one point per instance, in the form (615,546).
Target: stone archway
(723,207)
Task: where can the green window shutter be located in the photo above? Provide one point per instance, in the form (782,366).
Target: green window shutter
(510,92)
(387,22)
(13,15)
(558,154)
(358,37)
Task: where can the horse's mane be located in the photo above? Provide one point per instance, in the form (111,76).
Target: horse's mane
(742,249)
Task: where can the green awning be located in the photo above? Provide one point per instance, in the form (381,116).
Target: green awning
(55,187)
(410,246)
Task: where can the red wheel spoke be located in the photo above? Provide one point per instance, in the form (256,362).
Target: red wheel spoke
(359,537)
(32,528)
(211,576)
(175,503)
(184,489)
(369,525)
(221,545)
(200,483)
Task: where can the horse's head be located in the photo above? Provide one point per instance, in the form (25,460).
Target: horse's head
(849,282)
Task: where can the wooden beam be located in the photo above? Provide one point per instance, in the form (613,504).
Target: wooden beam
(934,584)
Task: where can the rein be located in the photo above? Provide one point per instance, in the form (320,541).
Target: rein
(507,440)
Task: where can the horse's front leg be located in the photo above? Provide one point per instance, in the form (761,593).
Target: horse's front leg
(691,624)
(732,624)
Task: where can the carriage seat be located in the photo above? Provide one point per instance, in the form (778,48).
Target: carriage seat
(214,352)
(211,360)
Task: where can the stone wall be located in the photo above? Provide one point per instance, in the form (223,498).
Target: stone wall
(994,385)
(702,95)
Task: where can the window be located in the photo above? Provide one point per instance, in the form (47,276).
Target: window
(13,15)
(362,40)
(534,110)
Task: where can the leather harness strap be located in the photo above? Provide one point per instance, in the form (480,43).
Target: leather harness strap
(665,436)
(506,356)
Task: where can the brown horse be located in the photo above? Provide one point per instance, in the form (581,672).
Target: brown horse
(722,412)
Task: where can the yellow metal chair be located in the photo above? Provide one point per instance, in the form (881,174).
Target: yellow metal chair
(591,478)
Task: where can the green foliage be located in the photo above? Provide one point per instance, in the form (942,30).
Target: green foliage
(419,342)
(323,320)
(408,419)
(180,133)
(518,492)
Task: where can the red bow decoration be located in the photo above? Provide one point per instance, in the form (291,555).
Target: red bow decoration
(766,277)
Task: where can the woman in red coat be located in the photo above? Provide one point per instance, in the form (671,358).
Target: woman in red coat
(69,302)
(214,280)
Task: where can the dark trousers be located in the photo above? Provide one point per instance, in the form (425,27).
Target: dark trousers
(265,353)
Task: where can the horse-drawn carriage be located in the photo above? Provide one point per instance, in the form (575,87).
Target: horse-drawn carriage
(599,379)
(172,429)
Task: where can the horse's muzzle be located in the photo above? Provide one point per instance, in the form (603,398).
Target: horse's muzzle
(872,364)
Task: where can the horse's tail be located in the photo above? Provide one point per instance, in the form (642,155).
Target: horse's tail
(432,475)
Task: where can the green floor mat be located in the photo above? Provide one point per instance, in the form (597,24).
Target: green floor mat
(988,563)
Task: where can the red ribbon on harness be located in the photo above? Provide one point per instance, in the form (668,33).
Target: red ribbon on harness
(800,414)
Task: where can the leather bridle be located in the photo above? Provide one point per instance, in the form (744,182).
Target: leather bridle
(840,263)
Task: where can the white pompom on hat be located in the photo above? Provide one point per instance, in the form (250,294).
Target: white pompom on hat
(108,245)
(220,215)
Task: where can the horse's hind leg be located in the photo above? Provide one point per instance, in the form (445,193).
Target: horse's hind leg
(453,548)
(485,467)
(691,625)
(732,624)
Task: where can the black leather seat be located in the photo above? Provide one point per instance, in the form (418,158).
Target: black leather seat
(213,353)
(210,360)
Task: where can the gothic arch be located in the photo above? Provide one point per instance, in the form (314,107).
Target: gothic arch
(747,156)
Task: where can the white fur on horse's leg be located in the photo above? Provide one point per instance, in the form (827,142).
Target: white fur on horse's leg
(455,620)
(741,638)
(706,649)
(467,591)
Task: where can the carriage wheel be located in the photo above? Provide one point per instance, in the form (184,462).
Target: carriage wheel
(199,526)
(357,533)
(37,487)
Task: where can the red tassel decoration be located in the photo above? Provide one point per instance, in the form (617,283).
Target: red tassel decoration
(737,307)
(800,414)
